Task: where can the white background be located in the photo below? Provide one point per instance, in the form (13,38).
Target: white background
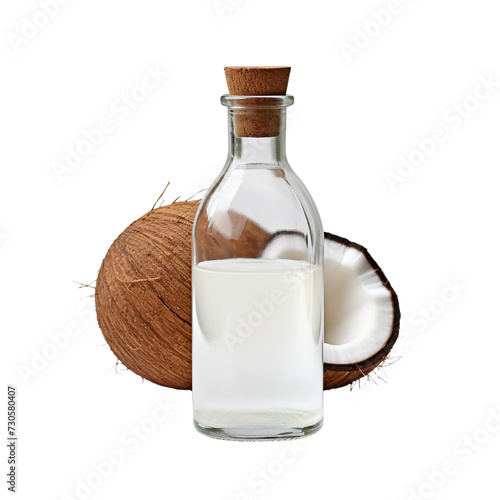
(354,116)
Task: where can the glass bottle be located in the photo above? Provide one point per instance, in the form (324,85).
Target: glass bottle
(257,281)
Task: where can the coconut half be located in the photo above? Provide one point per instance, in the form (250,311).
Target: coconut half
(361,308)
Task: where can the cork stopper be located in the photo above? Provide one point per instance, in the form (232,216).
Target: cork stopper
(257,118)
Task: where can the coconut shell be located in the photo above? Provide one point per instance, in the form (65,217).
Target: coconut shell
(336,376)
(143,295)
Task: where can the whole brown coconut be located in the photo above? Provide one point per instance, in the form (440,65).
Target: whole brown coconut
(143,290)
(146,267)
(143,294)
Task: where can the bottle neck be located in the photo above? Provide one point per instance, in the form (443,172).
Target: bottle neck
(257,150)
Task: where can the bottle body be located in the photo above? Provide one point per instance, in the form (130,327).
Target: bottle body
(257,298)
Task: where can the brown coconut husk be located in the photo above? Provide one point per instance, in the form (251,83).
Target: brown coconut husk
(143,290)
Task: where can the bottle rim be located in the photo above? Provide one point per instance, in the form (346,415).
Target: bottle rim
(256,101)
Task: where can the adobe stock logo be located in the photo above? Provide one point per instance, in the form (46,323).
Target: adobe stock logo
(453,118)
(365,34)
(122,107)
(463,450)
(437,306)
(31,27)
(99,471)
(222,7)
(426,315)
(272,472)
(255,319)
(40,358)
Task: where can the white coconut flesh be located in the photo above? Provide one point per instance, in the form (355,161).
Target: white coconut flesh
(359,312)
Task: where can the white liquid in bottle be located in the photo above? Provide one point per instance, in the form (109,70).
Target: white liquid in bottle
(257,345)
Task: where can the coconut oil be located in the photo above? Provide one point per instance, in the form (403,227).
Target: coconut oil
(257,278)
(257,346)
